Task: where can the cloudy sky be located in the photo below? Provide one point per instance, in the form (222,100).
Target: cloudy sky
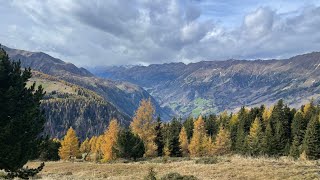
(120,32)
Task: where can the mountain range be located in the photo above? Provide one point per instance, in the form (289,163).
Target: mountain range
(77,98)
(88,99)
(214,86)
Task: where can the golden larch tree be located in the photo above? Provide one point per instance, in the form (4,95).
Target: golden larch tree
(254,138)
(198,144)
(92,144)
(183,140)
(69,145)
(267,113)
(85,146)
(109,140)
(143,125)
(222,143)
(98,149)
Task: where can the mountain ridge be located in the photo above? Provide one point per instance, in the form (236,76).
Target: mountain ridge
(124,96)
(212,86)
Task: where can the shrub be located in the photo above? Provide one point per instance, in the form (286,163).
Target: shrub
(151,175)
(177,176)
(207,160)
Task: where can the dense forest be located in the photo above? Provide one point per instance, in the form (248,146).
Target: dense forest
(260,131)
(67,104)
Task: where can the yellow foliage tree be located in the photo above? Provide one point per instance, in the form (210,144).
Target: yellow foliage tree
(143,125)
(183,139)
(85,146)
(254,138)
(234,119)
(223,142)
(208,146)
(198,144)
(308,107)
(166,150)
(109,140)
(69,145)
(267,113)
(92,144)
(98,149)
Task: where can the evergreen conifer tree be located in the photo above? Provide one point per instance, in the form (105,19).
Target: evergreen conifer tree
(159,137)
(128,145)
(189,125)
(297,133)
(173,139)
(21,118)
(311,144)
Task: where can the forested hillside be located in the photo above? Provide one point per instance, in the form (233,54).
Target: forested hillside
(67,105)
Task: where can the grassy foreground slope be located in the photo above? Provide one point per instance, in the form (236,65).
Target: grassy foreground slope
(234,167)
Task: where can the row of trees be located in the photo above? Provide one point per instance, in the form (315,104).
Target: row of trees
(274,131)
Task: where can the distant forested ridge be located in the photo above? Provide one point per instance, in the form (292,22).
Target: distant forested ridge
(66,104)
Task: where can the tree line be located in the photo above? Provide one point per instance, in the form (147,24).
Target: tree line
(260,131)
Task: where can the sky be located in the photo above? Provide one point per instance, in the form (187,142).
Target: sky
(127,32)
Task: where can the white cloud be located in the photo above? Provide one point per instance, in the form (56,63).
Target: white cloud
(156,31)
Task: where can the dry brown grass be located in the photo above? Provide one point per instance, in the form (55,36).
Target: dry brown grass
(234,167)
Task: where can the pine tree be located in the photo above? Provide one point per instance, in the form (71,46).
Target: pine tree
(109,140)
(267,145)
(197,146)
(223,142)
(241,131)
(224,119)
(189,126)
(143,125)
(173,139)
(211,125)
(295,149)
(254,138)
(49,149)
(159,137)
(311,144)
(69,145)
(234,121)
(297,133)
(21,118)
(183,140)
(128,145)
(280,126)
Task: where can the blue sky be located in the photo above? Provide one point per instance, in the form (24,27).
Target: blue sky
(99,32)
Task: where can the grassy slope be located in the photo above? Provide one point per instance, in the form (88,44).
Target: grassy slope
(233,167)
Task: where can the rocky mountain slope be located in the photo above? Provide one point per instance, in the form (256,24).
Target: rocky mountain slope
(213,86)
(123,95)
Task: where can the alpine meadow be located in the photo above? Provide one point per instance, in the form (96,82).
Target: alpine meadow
(160,90)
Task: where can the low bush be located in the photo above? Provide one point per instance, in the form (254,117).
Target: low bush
(207,160)
(177,176)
